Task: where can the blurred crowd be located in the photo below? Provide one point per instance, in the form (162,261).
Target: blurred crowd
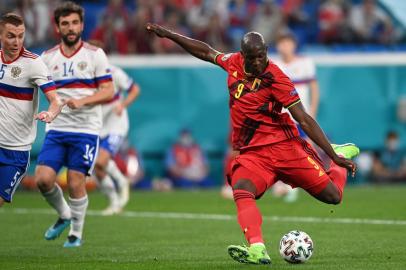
(120,24)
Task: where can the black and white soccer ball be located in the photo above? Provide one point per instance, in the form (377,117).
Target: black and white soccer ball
(296,247)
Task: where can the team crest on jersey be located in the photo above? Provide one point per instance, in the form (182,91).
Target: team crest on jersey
(15,72)
(82,65)
(225,57)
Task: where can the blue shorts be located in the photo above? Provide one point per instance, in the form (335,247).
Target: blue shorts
(75,151)
(13,167)
(111,143)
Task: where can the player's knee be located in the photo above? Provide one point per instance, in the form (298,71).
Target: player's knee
(44,182)
(243,184)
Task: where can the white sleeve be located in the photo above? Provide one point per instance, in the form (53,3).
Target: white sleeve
(121,80)
(102,72)
(41,77)
(311,69)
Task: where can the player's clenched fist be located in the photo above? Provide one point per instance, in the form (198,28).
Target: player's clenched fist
(157,29)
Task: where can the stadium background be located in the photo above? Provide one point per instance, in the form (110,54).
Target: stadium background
(362,83)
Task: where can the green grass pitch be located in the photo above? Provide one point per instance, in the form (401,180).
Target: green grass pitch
(367,231)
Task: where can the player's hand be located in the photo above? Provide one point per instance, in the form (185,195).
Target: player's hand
(45,116)
(75,104)
(119,108)
(157,29)
(346,163)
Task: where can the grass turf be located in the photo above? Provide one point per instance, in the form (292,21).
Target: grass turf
(122,242)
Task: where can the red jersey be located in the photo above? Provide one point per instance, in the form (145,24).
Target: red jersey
(256,103)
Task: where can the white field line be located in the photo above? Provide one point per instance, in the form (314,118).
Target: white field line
(194,216)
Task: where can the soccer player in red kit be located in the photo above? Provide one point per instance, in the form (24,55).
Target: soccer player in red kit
(267,139)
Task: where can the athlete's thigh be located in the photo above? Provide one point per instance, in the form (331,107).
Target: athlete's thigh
(111,143)
(253,166)
(13,167)
(301,167)
(54,150)
(82,152)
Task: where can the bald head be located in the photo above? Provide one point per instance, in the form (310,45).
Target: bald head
(254,51)
(252,41)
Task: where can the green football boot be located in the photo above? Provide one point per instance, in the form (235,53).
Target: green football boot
(255,254)
(348,150)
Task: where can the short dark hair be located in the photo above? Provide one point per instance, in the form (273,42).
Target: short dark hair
(67,8)
(286,35)
(11,18)
(392,135)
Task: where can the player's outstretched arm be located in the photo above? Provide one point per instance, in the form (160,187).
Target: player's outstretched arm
(55,107)
(133,93)
(313,130)
(195,47)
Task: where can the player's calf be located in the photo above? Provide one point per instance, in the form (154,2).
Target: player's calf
(331,194)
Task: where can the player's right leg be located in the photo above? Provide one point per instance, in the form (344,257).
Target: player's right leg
(106,183)
(333,192)
(248,183)
(50,161)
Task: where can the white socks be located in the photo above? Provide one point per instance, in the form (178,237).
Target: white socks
(56,200)
(115,172)
(108,188)
(78,208)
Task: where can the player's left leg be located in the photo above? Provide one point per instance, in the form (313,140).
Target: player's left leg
(78,202)
(13,167)
(82,153)
(301,167)
(106,183)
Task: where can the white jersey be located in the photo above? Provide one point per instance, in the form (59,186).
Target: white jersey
(113,123)
(19,83)
(78,76)
(301,71)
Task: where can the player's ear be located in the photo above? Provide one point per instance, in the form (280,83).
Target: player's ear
(56,27)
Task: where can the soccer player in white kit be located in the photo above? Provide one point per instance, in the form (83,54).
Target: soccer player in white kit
(114,131)
(302,71)
(22,73)
(83,79)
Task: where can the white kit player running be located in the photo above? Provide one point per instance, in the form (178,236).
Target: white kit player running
(302,71)
(83,79)
(114,131)
(21,74)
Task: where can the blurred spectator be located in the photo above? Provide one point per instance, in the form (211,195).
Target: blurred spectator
(187,164)
(115,39)
(389,165)
(293,12)
(333,24)
(371,24)
(240,15)
(215,34)
(164,45)
(268,21)
(38,21)
(140,41)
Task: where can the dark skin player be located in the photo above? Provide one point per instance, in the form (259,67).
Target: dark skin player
(254,51)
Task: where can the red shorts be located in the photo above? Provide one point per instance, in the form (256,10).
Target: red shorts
(293,161)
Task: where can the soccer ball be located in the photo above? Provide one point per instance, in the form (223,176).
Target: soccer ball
(296,247)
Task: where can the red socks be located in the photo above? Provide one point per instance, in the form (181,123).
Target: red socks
(249,217)
(338,176)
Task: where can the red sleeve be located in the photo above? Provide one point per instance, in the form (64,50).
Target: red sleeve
(224,60)
(284,90)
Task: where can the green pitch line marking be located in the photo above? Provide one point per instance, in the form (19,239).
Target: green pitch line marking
(194,216)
